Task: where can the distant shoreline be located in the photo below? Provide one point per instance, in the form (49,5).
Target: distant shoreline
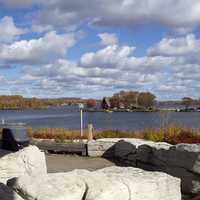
(135,111)
(106,111)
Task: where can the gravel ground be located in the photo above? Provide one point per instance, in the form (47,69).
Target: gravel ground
(65,163)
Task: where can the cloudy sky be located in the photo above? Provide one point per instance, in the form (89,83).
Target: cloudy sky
(92,48)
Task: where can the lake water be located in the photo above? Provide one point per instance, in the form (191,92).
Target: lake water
(69,117)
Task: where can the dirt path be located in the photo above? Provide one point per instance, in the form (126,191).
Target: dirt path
(64,163)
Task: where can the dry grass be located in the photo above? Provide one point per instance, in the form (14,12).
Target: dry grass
(172,134)
(113,134)
(55,133)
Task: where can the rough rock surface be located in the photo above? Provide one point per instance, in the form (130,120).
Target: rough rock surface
(146,185)
(98,148)
(101,147)
(182,161)
(102,187)
(113,183)
(29,160)
(58,186)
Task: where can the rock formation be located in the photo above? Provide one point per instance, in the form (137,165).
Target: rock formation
(182,161)
(29,161)
(28,180)
(113,183)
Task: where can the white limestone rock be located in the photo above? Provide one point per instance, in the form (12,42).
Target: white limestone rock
(54,186)
(114,183)
(29,160)
(144,185)
(137,142)
(98,148)
(72,185)
(103,187)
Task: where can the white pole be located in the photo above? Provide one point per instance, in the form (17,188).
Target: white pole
(81,122)
(81,106)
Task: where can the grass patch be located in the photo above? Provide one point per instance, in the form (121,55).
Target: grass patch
(55,133)
(113,134)
(172,134)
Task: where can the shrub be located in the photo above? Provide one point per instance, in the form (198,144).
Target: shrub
(172,134)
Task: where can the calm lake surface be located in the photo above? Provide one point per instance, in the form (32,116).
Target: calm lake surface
(69,117)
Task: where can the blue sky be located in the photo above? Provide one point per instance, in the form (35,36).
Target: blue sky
(93,48)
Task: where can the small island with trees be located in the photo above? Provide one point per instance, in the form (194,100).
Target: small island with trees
(134,101)
(129,101)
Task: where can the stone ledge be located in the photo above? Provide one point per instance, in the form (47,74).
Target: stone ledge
(182,161)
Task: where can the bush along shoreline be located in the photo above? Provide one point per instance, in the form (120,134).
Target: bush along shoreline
(171,134)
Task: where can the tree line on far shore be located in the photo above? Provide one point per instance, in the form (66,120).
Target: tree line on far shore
(120,100)
(138,100)
(19,102)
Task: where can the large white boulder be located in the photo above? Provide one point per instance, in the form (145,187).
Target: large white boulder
(143,185)
(103,187)
(58,186)
(72,185)
(29,160)
(114,183)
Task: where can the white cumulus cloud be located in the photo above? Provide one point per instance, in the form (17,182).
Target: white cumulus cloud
(108,39)
(186,45)
(43,49)
(8,30)
(180,15)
